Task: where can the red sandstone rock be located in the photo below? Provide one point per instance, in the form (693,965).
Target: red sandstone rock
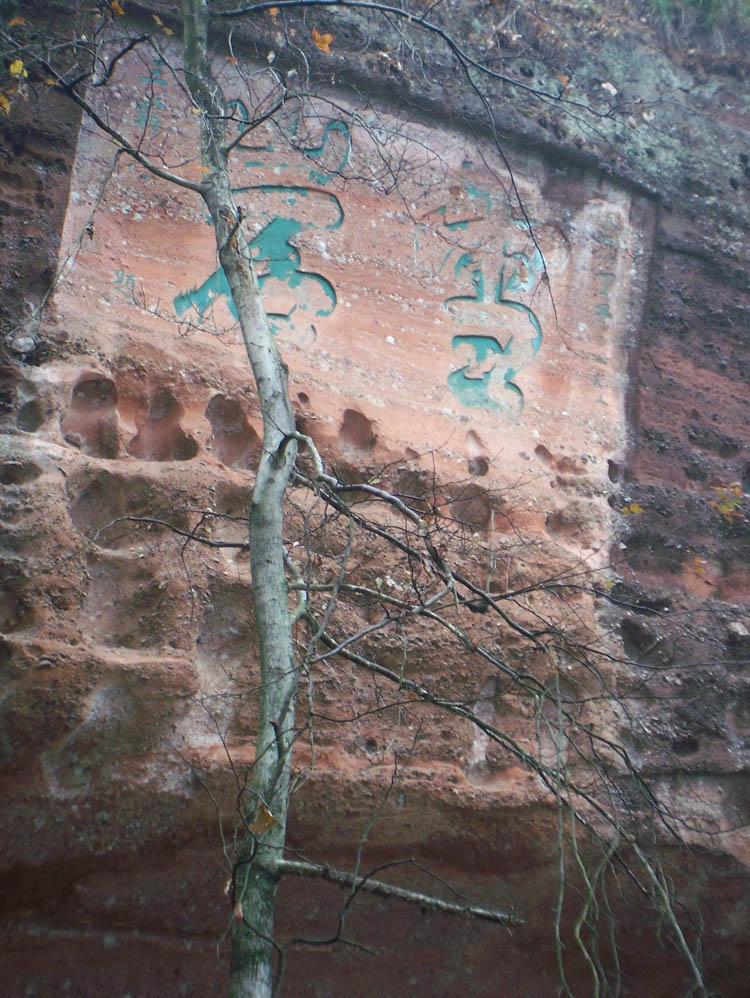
(125,665)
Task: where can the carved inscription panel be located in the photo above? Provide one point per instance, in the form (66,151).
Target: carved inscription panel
(410,278)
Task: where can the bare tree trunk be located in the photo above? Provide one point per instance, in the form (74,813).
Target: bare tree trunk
(252,964)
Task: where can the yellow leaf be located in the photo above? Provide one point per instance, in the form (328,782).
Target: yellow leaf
(49,82)
(4,104)
(17,68)
(16,22)
(274,12)
(632,509)
(158,20)
(117,9)
(204,169)
(195,110)
(168,31)
(264,820)
(323,42)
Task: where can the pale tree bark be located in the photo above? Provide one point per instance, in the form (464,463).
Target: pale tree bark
(252,962)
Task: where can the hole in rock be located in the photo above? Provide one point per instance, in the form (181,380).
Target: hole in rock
(8,378)
(223,649)
(734,586)
(695,472)
(42,283)
(108,496)
(350,473)
(225,415)
(557,524)
(113,726)
(472,507)
(129,606)
(16,613)
(356,431)
(568,466)
(161,438)
(478,466)
(563,464)
(641,645)
(613,471)
(163,405)
(413,487)
(649,607)
(544,455)
(232,501)
(686,745)
(19,472)
(91,422)
(22,737)
(304,398)
(30,416)
(224,638)
(95,391)
(654,554)
(234,441)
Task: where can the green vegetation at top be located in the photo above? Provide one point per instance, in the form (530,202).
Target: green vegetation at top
(710,13)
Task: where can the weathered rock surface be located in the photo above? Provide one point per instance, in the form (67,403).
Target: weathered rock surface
(128,663)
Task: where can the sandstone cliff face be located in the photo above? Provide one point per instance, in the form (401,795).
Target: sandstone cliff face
(127,659)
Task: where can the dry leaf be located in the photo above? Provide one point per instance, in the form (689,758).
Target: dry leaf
(323,42)
(117,9)
(4,104)
(565,80)
(237,912)
(158,20)
(609,88)
(264,820)
(274,12)
(15,22)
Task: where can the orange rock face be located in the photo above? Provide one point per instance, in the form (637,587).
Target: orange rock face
(496,358)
